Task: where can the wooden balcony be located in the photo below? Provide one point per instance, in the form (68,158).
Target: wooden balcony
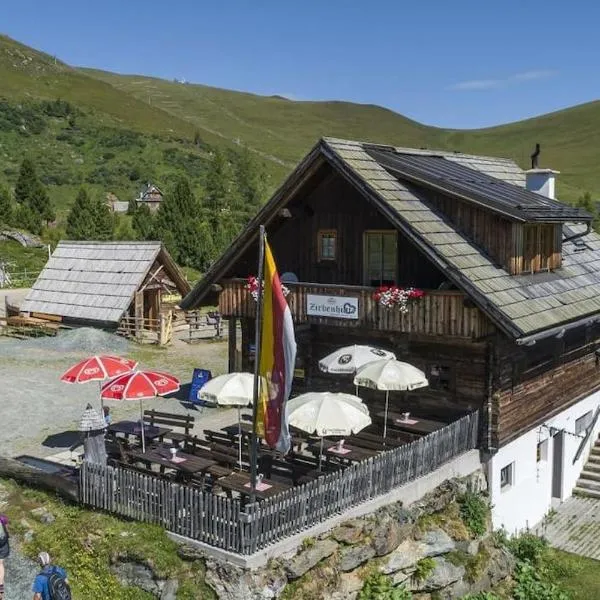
(441,313)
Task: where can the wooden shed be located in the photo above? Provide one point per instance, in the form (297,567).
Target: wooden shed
(106,284)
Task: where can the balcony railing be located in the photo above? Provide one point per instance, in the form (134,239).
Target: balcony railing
(443,313)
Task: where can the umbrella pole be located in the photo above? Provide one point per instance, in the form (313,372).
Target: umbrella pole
(101,399)
(240,435)
(387,398)
(142,425)
(321,454)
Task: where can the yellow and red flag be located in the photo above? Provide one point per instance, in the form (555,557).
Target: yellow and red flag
(277,360)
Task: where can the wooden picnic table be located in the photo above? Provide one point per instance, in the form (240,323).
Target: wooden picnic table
(188,464)
(240,482)
(127,428)
(232,432)
(413,424)
(350,452)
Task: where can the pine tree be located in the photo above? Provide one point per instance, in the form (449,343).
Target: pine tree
(123,229)
(179,226)
(143,223)
(80,220)
(103,221)
(251,180)
(132,206)
(219,186)
(39,202)
(25,218)
(585,201)
(6,207)
(30,191)
(26,181)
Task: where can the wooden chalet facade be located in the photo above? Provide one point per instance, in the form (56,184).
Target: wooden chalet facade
(509,324)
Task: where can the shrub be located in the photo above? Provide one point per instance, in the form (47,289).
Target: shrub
(528,548)
(423,569)
(474,512)
(530,586)
(378,586)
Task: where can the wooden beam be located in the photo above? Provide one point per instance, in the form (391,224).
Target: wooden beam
(232,344)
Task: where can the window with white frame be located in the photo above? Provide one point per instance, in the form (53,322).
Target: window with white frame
(583,423)
(507,475)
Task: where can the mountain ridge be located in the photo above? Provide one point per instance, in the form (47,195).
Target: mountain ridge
(282,130)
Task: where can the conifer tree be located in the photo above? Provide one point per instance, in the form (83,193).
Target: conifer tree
(252,181)
(26,181)
(179,226)
(143,223)
(39,202)
(104,223)
(80,220)
(219,186)
(6,207)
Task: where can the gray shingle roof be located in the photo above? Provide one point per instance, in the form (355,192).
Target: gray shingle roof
(521,305)
(530,302)
(93,281)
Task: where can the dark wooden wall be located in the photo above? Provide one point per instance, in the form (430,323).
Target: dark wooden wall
(530,384)
(464,385)
(333,203)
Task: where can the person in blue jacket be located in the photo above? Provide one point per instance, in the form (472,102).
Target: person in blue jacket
(43,583)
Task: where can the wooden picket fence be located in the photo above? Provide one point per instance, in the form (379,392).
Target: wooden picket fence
(220,522)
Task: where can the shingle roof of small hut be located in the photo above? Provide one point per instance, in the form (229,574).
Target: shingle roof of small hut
(96,281)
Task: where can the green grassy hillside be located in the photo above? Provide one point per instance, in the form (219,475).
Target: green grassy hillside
(128,128)
(285,130)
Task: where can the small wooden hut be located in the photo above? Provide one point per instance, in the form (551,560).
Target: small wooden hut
(106,284)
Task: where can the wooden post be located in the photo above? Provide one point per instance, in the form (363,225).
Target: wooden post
(245,323)
(232,344)
(139,315)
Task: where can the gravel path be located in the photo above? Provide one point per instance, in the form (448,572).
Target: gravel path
(20,573)
(39,414)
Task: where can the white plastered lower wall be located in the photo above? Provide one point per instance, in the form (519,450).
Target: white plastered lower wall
(528,498)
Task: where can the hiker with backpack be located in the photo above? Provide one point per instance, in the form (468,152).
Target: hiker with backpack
(52,582)
(4,550)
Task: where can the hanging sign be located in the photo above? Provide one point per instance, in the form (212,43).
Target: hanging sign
(337,307)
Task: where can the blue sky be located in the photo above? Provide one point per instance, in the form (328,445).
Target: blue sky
(454,64)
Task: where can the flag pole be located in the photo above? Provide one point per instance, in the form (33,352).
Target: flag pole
(257,342)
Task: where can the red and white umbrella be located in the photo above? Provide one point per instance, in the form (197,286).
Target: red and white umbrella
(98,368)
(140,385)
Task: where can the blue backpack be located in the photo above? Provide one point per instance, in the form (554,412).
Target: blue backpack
(57,586)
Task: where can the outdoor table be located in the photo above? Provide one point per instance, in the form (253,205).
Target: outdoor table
(127,428)
(240,482)
(188,464)
(232,431)
(350,452)
(413,424)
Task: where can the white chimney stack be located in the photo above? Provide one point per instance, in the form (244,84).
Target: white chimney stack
(541,181)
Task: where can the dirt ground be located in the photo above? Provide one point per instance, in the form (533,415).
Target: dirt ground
(39,413)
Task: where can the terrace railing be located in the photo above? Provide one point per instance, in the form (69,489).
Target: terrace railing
(439,312)
(220,522)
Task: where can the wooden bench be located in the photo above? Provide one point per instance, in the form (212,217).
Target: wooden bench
(199,447)
(219,437)
(184,422)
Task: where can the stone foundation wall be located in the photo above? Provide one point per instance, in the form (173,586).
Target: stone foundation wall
(426,547)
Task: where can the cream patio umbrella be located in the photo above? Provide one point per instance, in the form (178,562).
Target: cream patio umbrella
(327,413)
(350,358)
(390,375)
(232,389)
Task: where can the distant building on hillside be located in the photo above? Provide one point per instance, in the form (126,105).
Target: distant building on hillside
(150,195)
(115,205)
